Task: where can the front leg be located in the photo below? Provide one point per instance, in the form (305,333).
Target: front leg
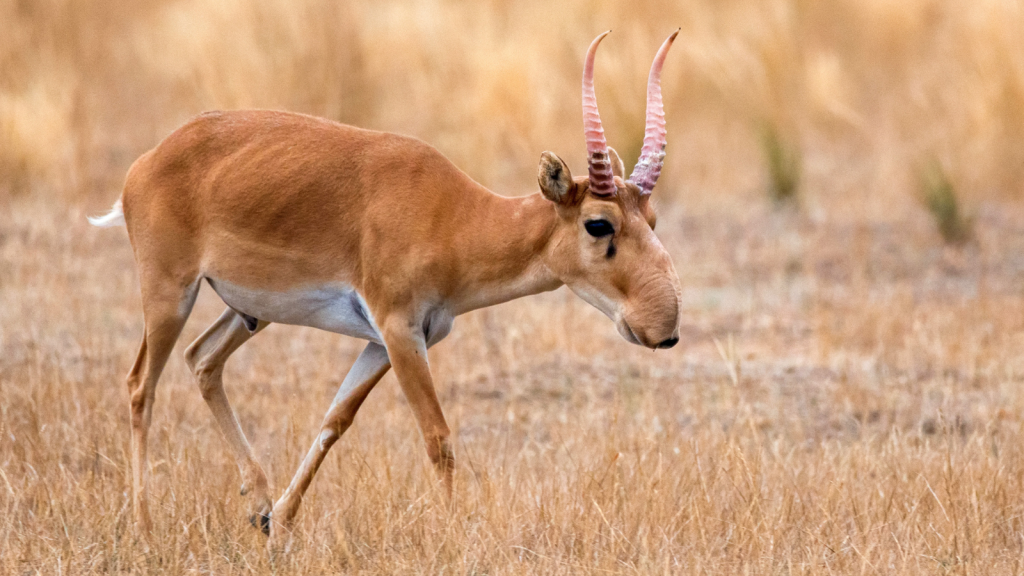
(407,348)
(368,369)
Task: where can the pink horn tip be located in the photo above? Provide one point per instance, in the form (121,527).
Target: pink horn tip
(599,164)
(652,155)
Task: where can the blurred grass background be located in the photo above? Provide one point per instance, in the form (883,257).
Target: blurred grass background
(867,90)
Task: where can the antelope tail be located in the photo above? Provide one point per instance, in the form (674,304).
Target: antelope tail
(113,218)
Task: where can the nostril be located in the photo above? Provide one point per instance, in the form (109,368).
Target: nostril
(669,343)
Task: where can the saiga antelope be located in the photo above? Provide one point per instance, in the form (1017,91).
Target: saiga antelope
(300,220)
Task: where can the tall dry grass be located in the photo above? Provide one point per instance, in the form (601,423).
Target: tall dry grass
(845,400)
(847,396)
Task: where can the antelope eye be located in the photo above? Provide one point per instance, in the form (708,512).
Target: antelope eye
(599,228)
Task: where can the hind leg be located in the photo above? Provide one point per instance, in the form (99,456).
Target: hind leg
(166,309)
(206,357)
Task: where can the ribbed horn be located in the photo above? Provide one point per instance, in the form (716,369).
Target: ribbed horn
(652,155)
(600,166)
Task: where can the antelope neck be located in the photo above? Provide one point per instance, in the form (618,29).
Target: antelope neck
(506,241)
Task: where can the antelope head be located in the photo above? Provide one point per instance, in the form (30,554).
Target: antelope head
(604,247)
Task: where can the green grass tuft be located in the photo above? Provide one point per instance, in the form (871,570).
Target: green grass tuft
(784,165)
(939,196)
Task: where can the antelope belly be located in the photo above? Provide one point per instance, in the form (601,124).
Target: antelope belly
(336,308)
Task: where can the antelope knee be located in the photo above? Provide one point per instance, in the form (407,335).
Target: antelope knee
(137,404)
(207,377)
(191,355)
(439,449)
(332,429)
(328,436)
(335,424)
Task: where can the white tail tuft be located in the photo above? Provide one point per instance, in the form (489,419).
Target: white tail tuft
(113,218)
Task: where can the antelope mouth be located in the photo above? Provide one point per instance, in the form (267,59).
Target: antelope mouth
(631,336)
(627,332)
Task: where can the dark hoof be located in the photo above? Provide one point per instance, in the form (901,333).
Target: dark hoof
(261,521)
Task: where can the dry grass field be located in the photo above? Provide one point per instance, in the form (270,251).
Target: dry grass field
(848,393)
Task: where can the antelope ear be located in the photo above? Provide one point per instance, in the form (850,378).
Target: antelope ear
(618,168)
(554,178)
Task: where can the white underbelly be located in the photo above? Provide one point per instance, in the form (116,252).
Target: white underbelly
(336,308)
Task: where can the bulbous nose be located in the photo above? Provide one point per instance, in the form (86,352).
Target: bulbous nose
(669,342)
